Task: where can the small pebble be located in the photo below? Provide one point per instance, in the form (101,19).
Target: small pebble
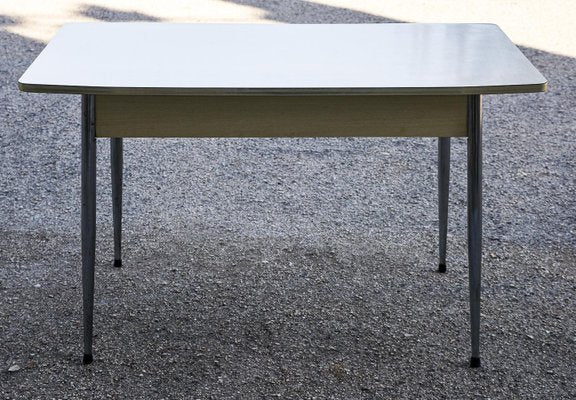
(14,368)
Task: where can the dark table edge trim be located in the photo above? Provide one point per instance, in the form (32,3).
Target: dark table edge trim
(137,91)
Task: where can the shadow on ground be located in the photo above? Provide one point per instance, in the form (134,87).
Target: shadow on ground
(302,12)
(109,15)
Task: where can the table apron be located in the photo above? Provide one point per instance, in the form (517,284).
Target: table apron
(280,116)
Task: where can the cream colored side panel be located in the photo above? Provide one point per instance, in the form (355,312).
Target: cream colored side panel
(280,116)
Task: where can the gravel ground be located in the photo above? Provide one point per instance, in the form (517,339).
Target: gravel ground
(276,268)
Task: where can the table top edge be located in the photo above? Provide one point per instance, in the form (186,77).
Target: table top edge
(137,91)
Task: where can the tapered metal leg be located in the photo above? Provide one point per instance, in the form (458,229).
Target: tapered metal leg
(88,220)
(116,160)
(443,190)
(475,219)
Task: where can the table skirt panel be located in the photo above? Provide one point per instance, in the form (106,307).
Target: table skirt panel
(280,116)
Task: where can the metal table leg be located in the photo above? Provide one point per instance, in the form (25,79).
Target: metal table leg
(88,219)
(475,220)
(443,190)
(116,161)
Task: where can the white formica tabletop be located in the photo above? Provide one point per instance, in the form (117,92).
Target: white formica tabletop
(204,59)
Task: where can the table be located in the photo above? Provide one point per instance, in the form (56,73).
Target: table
(247,80)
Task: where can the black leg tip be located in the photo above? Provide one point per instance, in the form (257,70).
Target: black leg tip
(87,359)
(442,268)
(474,362)
(117,263)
